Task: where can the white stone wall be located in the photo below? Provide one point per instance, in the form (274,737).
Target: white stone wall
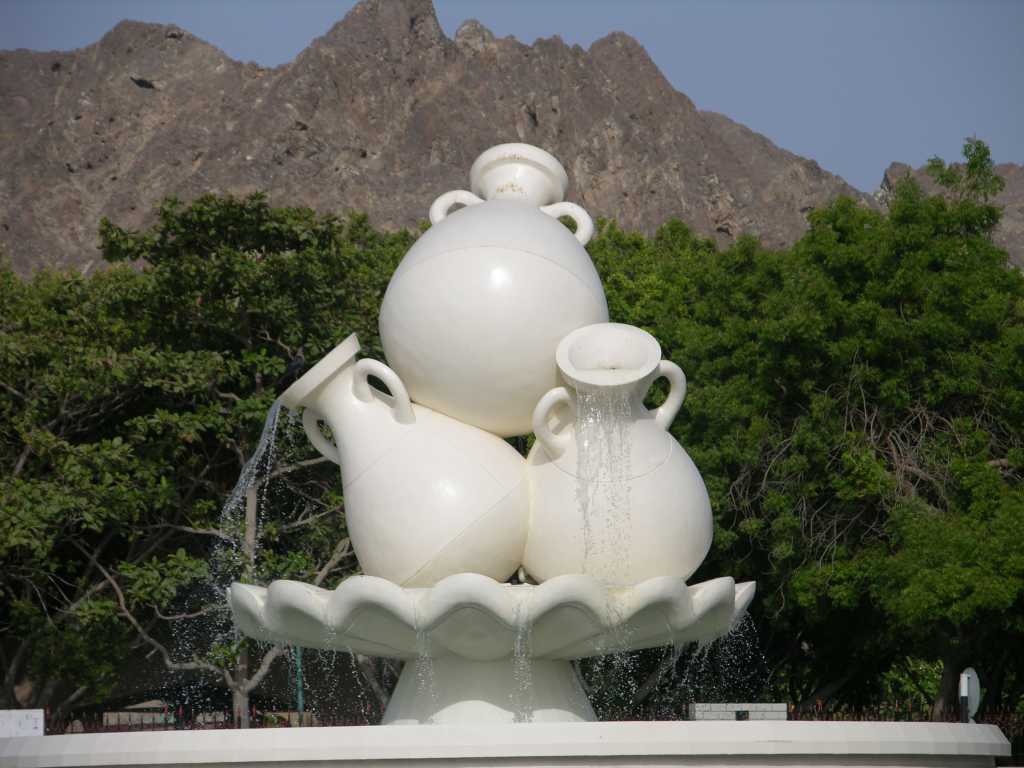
(21,722)
(730,711)
(763,744)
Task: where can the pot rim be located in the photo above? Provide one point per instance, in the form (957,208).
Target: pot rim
(607,355)
(509,156)
(294,397)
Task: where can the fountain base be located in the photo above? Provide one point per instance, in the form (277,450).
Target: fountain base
(453,690)
(623,745)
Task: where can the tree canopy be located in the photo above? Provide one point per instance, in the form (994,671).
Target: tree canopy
(856,407)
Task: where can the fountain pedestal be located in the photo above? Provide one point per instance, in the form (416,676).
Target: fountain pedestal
(451,690)
(478,651)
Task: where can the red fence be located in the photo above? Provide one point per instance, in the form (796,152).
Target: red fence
(180,719)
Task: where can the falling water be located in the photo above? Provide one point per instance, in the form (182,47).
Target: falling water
(242,516)
(613,675)
(603,429)
(263,497)
(258,467)
(730,668)
(522,666)
(426,677)
(369,709)
(232,555)
(659,683)
(603,472)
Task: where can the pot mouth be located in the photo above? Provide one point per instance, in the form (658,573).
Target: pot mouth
(607,355)
(519,172)
(321,373)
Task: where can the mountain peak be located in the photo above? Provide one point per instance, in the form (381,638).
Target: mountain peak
(473,35)
(382,114)
(128,34)
(395,27)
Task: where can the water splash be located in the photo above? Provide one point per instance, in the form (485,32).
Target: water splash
(603,428)
(613,676)
(277,485)
(660,683)
(732,668)
(367,704)
(235,546)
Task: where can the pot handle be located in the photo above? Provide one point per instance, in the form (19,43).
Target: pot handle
(555,445)
(401,406)
(311,424)
(664,414)
(439,208)
(584,224)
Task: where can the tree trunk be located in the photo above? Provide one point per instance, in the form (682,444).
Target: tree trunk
(249,540)
(14,671)
(240,702)
(947,699)
(240,693)
(826,691)
(995,678)
(368,668)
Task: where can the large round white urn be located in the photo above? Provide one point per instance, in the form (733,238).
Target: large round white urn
(474,312)
(654,518)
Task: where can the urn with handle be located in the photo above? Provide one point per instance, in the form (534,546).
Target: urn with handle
(426,496)
(653,518)
(473,314)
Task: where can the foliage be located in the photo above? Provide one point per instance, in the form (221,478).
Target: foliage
(855,406)
(132,400)
(974,181)
(855,410)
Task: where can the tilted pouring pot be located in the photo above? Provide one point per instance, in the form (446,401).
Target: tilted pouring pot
(426,496)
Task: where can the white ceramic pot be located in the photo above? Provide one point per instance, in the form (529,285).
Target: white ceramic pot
(473,314)
(613,495)
(426,496)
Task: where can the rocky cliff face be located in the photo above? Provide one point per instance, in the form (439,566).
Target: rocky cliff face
(382,114)
(1010,232)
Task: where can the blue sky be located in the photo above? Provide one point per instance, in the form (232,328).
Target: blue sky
(853,85)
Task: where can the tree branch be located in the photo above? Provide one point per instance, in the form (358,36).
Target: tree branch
(75,695)
(179,616)
(169,662)
(369,673)
(216,532)
(341,551)
(287,468)
(268,658)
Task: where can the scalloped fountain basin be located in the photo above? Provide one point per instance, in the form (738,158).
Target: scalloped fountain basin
(473,626)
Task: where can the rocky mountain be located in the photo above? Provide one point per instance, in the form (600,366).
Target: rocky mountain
(381,114)
(1010,233)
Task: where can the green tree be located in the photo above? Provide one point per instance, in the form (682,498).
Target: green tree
(974,181)
(855,409)
(135,398)
(854,406)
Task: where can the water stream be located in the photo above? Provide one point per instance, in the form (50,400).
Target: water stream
(731,668)
(248,546)
(522,666)
(426,676)
(614,681)
(603,427)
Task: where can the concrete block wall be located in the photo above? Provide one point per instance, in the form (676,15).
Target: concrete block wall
(738,711)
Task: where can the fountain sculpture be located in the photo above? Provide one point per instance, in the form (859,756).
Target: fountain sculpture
(495,324)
